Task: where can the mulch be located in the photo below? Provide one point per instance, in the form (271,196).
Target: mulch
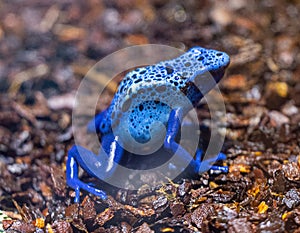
(46,48)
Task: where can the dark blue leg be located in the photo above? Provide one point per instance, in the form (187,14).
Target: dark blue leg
(74,158)
(100,166)
(174,124)
(94,125)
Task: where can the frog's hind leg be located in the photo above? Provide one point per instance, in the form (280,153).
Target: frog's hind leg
(174,124)
(101,166)
(74,159)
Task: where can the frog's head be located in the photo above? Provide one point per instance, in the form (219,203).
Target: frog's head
(203,69)
(213,61)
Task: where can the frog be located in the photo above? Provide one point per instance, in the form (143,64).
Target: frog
(139,101)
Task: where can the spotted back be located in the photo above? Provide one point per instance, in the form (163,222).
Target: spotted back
(144,100)
(147,95)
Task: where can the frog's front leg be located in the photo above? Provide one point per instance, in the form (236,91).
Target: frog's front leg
(100,166)
(198,166)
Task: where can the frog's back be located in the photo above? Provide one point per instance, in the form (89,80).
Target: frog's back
(142,99)
(146,86)
(145,94)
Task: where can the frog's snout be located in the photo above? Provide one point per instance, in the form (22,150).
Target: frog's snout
(222,62)
(226,60)
(223,59)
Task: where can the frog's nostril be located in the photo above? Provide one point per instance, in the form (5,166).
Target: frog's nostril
(201,58)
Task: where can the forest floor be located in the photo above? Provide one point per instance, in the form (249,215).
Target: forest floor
(46,48)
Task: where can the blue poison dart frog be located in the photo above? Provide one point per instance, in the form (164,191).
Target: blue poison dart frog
(146,86)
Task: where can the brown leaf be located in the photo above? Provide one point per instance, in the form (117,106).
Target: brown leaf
(61,227)
(59,181)
(105,216)
(201,213)
(88,209)
(144,228)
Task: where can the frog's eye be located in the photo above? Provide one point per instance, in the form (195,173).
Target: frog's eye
(201,58)
(196,51)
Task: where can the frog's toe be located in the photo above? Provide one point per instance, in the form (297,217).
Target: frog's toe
(219,169)
(91,189)
(206,163)
(205,166)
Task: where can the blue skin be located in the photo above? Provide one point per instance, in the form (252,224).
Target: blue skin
(146,82)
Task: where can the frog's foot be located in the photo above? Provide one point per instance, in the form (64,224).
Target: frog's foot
(74,157)
(196,165)
(203,165)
